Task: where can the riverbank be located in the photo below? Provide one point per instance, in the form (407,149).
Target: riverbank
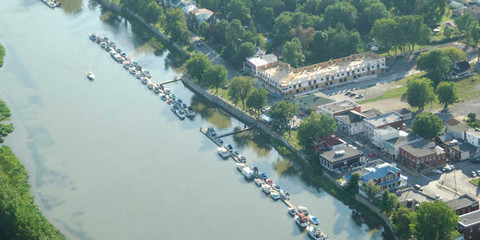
(20,218)
(2,54)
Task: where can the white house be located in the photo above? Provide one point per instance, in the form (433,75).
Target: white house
(350,123)
(472,136)
(201,14)
(384,134)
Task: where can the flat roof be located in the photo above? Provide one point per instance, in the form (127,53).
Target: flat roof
(461,202)
(384,119)
(339,106)
(309,101)
(262,59)
(470,218)
(372,112)
(351,116)
(284,73)
(423,148)
(332,157)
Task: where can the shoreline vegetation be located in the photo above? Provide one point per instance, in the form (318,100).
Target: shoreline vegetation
(20,217)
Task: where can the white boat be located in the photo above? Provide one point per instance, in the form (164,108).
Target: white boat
(146,73)
(301,220)
(240,166)
(303,210)
(284,194)
(223,152)
(190,112)
(247,172)
(313,220)
(292,211)
(179,112)
(166,90)
(315,233)
(90,76)
(266,188)
(258,182)
(274,195)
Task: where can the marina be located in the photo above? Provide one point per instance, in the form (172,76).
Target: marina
(300,213)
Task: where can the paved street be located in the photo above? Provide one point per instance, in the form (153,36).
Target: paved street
(214,57)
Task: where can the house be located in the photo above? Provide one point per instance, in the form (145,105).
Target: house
(472,136)
(350,123)
(201,14)
(328,143)
(339,107)
(422,154)
(456,128)
(178,3)
(287,80)
(392,119)
(461,70)
(385,175)
(373,112)
(457,150)
(254,63)
(341,159)
(469,225)
(405,113)
(391,147)
(187,9)
(463,204)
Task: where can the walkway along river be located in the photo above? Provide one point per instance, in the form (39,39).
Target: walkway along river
(108,160)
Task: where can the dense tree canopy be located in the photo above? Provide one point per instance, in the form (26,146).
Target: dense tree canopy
(371,189)
(176,26)
(427,125)
(388,203)
(352,185)
(438,63)
(313,127)
(197,65)
(435,221)
(292,53)
(216,76)
(282,113)
(419,92)
(401,220)
(257,99)
(240,88)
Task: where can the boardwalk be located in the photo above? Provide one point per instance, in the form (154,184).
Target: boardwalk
(235,132)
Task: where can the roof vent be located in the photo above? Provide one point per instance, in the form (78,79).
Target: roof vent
(339,153)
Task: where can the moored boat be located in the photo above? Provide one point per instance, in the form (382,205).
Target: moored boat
(284,194)
(303,210)
(90,76)
(313,220)
(258,182)
(274,195)
(223,152)
(247,172)
(266,188)
(190,112)
(315,233)
(292,211)
(301,220)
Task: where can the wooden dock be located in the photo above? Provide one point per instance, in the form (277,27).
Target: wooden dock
(176,79)
(235,132)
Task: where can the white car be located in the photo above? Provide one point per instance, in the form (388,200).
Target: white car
(474,174)
(437,171)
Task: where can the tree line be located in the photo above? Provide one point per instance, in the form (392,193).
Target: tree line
(325,29)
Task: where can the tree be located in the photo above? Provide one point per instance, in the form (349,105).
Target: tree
(401,221)
(240,88)
(341,12)
(448,31)
(388,203)
(246,49)
(313,127)
(215,76)
(257,99)
(432,10)
(239,9)
(352,185)
(371,189)
(472,117)
(435,221)
(438,63)
(292,52)
(473,34)
(176,26)
(197,65)
(419,92)
(464,22)
(446,93)
(427,125)
(282,113)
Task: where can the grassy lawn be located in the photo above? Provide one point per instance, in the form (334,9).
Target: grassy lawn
(293,139)
(466,89)
(475,181)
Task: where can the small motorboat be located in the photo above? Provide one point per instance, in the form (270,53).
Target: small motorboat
(274,195)
(247,172)
(156,90)
(269,181)
(303,210)
(163,97)
(315,233)
(92,36)
(90,76)
(241,158)
(301,220)
(284,194)
(292,211)
(276,187)
(266,189)
(223,152)
(144,81)
(313,219)
(262,175)
(211,131)
(258,182)
(230,147)
(240,166)
(190,112)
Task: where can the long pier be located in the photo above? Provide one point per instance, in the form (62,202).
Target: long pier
(176,79)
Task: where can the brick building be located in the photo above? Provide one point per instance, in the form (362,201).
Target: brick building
(469,225)
(422,154)
(463,204)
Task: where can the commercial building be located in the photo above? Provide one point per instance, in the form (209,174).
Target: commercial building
(422,155)
(339,107)
(341,159)
(472,136)
(392,119)
(469,225)
(391,147)
(463,204)
(287,80)
(254,63)
(457,150)
(350,123)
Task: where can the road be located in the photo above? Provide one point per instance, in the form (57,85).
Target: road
(216,59)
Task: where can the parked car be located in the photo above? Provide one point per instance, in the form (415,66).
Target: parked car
(474,174)
(358,144)
(418,187)
(359,96)
(353,94)
(348,93)
(436,171)
(447,168)
(478,172)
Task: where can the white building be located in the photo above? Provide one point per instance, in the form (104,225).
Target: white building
(254,63)
(392,119)
(350,123)
(384,134)
(472,136)
(288,80)
(201,14)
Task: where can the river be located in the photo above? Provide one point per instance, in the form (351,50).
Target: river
(108,159)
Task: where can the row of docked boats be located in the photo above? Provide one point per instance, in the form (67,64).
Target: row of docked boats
(178,107)
(301,214)
(52,3)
